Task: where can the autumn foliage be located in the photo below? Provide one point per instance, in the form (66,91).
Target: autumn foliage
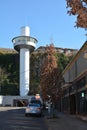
(50,76)
(78,8)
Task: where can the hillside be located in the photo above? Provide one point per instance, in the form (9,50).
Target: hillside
(9,70)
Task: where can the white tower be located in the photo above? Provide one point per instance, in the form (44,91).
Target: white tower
(24,44)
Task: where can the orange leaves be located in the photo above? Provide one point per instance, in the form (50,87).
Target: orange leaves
(50,75)
(79,8)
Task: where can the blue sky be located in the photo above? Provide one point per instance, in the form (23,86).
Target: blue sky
(48,21)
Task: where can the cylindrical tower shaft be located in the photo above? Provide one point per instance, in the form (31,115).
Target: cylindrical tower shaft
(24,65)
(24,44)
(24,71)
(25,31)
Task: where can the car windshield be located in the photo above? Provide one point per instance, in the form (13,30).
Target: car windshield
(34,105)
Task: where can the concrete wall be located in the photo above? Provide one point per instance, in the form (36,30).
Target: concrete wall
(77,67)
(8,100)
(82,62)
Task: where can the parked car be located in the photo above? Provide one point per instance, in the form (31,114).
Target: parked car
(33,109)
(36,102)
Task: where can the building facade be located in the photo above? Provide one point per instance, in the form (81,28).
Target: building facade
(66,51)
(74,99)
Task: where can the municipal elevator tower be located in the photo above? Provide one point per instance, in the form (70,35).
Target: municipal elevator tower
(24,44)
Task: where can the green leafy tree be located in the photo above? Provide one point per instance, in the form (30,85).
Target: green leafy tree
(62,61)
(34,80)
(9,74)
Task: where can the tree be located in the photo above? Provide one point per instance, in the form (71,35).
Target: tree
(9,74)
(50,76)
(63,60)
(78,8)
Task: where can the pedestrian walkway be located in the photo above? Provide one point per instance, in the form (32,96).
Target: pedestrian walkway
(82,117)
(66,122)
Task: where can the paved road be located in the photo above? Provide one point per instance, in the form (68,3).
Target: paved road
(14,119)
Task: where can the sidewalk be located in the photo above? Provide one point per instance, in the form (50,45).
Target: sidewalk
(84,118)
(66,122)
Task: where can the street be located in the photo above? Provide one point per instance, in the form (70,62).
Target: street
(14,119)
